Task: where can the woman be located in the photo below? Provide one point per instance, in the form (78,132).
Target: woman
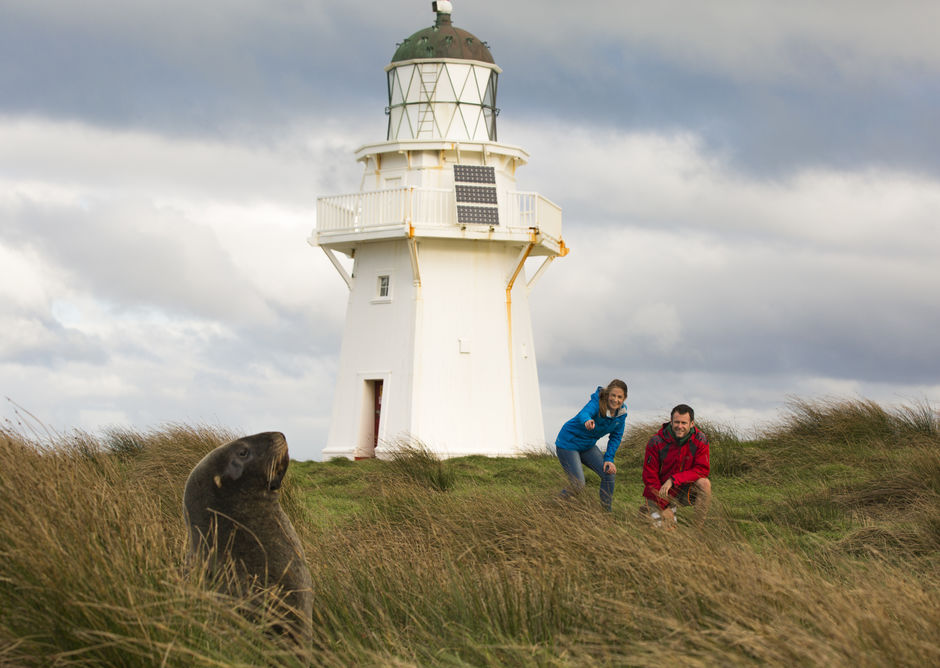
(604,414)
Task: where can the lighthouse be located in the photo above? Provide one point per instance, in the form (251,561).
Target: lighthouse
(437,348)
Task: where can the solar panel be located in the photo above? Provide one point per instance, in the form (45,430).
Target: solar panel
(484,215)
(474,174)
(476,194)
(486,211)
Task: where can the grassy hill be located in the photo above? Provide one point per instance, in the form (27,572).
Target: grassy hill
(822,548)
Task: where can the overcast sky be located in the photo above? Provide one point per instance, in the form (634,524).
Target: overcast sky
(750,188)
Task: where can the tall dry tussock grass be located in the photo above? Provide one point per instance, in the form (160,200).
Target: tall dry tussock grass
(485,582)
(854,424)
(93,557)
(821,550)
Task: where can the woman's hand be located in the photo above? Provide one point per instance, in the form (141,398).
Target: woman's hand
(589,425)
(610,467)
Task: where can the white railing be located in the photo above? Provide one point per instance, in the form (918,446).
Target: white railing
(397,207)
(532,210)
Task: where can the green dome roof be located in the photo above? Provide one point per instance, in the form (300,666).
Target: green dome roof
(442,40)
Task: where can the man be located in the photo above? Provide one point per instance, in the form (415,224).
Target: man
(675,469)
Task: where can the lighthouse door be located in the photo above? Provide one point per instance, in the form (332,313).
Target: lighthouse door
(370,418)
(377,393)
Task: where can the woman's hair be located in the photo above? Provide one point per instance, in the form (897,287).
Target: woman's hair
(616,382)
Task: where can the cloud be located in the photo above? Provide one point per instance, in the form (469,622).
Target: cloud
(772,85)
(673,182)
(749,193)
(149,279)
(753,40)
(124,163)
(687,274)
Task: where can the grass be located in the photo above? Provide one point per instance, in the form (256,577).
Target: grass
(822,548)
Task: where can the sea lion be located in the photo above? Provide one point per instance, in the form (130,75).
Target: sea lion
(239,531)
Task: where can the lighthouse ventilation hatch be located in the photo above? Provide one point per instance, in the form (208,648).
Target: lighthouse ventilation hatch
(437,347)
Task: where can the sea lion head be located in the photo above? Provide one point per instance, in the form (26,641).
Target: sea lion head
(249,466)
(258,461)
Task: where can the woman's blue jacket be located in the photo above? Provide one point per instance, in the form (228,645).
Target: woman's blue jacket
(574,436)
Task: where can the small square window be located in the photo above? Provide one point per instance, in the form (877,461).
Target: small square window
(383,285)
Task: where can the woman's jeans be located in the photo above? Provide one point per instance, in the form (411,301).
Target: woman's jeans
(571,461)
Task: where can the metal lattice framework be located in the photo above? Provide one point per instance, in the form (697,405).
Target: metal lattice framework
(442,99)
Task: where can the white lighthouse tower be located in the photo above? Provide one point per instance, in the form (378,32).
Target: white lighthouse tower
(437,347)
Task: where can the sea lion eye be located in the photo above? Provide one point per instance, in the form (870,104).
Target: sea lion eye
(243,452)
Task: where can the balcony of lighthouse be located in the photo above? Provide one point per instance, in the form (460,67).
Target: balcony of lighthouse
(412,190)
(344,221)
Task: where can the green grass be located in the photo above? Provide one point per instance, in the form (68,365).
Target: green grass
(822,548)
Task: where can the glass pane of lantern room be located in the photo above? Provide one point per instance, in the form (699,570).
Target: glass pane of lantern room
(490,98)
(414,87)
(472,116)
(395,95)
(445,87)
(409,122)
(482,80)
(489,119)
(394,121)
(458,75)
(444,114)
(429,73)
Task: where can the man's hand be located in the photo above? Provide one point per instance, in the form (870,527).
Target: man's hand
(610,467)
(589,425)
(664,490)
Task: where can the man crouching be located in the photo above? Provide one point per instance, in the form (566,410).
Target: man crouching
(675,469)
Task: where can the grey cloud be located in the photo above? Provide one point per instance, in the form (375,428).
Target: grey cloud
(756,313)
(138,257)
(831,91)
(285,346)
(33,338)
(212,68)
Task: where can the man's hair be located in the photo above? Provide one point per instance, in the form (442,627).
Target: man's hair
(683,409)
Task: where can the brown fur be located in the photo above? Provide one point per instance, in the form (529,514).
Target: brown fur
(239,531)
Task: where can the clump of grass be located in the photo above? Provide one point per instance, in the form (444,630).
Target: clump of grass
(633,445)
(167,455)
(414,461)
(835,420)
(918,418)
(855,423)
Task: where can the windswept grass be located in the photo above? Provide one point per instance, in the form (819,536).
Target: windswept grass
(416,463)
(823,549)
(92,558)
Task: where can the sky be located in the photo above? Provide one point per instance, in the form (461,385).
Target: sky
(750,191)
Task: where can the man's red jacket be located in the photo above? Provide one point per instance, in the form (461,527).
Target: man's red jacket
(664,458)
